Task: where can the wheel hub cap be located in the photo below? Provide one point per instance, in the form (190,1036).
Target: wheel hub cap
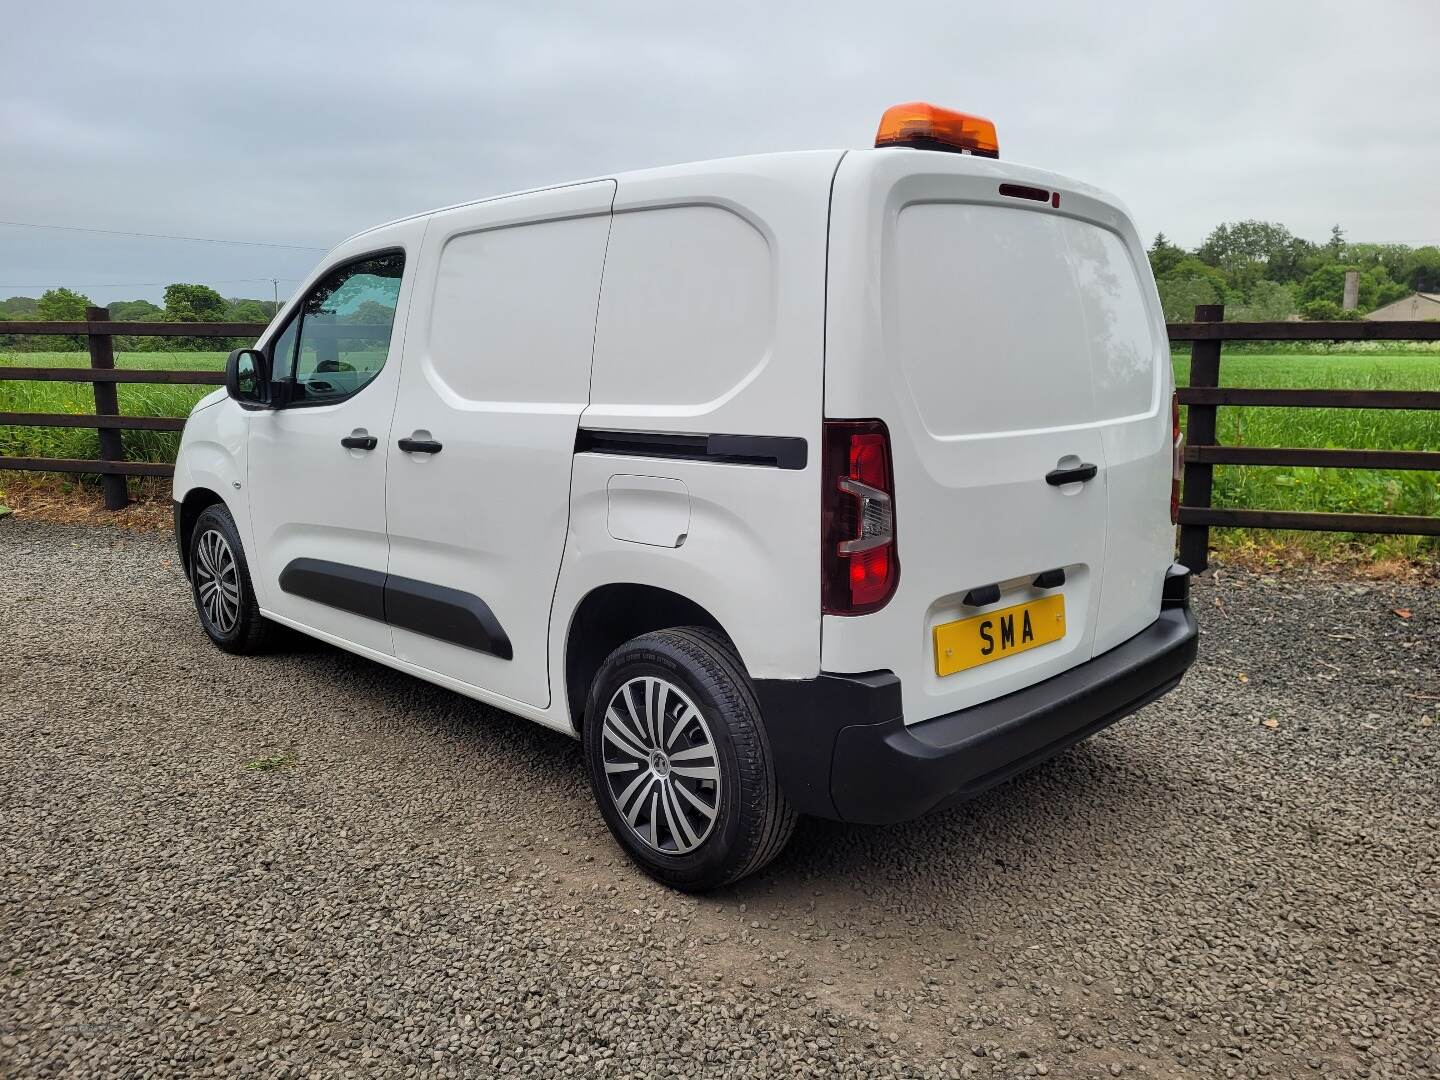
(661,765)
(217,580)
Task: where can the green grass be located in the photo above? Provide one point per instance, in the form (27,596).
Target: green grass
(270,763)
(1365,366)
(1335,490)
(136,399)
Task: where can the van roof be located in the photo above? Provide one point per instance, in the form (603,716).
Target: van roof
(772,163)
(755,164)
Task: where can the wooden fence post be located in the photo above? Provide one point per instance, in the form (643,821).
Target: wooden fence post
(102,356)
(1200,431)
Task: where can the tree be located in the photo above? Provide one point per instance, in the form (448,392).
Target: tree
(1422,270)
(1267,301)
(249,311)
(1335,248)
(134,311)
(61,305)
(1328,284)
(18,307)
(1250,250)
(1164,255)
(193,303)
(1188,283)
(1326,311)
(1179,296)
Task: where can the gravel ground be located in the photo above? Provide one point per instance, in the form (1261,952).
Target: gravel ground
(309,865)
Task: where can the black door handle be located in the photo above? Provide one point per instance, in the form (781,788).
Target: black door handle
(1078,475)
(419,446)
(359,442)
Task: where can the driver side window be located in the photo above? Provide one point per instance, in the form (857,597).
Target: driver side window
(339,339)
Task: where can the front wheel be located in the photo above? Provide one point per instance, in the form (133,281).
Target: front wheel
(679,761)
(220,585)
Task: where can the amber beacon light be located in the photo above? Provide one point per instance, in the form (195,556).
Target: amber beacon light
(925,127)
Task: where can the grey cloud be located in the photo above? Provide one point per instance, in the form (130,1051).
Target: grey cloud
(304,122)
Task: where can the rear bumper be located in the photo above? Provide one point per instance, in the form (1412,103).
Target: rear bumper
(842,748)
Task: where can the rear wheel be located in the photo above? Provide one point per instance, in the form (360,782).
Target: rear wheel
(220,585)
(679,762)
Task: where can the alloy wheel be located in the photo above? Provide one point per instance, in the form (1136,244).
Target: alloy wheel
(217,580)
(661,765)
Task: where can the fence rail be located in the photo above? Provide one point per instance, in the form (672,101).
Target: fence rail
(100,333)
(1203,452)
(1206,334)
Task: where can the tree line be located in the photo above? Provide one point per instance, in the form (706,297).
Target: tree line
(1262,272)
(184,303)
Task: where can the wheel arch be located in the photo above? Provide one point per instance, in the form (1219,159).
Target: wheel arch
(187,513)
(610,615)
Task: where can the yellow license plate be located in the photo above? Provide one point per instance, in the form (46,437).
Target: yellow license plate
(969,643)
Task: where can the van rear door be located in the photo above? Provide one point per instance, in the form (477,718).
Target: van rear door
(1004,341)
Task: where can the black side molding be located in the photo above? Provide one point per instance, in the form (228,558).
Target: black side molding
(451,615)
(337,585)
(775,451)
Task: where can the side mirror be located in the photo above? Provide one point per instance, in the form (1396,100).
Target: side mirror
(247,378)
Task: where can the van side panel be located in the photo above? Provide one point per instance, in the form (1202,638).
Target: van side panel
(711,323)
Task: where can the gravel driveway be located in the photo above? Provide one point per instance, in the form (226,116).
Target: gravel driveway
(307,864)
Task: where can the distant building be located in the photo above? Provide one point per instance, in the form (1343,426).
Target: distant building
(1413,308)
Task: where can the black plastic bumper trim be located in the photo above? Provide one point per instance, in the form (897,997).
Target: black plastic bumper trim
(1176,592)
(842,748)
(803,718)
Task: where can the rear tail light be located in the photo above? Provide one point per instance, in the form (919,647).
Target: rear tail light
(1177,442)
(859,568)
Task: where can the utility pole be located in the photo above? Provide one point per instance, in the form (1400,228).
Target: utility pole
(275,286)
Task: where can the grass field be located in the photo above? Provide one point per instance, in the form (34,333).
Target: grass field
(136,399)
(1404,366)
(1337,490)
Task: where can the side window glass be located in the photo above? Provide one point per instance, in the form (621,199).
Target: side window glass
(344,329)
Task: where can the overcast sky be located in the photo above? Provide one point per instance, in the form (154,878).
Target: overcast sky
(302,122)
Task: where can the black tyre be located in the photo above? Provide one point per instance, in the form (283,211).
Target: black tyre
(679,761)
(220,585)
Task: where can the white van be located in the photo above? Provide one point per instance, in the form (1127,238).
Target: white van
(836,482)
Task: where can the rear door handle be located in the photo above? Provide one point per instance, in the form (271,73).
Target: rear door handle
(358,440)
(412,445)
(1078,475)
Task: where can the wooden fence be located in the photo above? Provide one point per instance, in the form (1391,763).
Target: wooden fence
(100,333)
(1203,452)
(1203,396)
